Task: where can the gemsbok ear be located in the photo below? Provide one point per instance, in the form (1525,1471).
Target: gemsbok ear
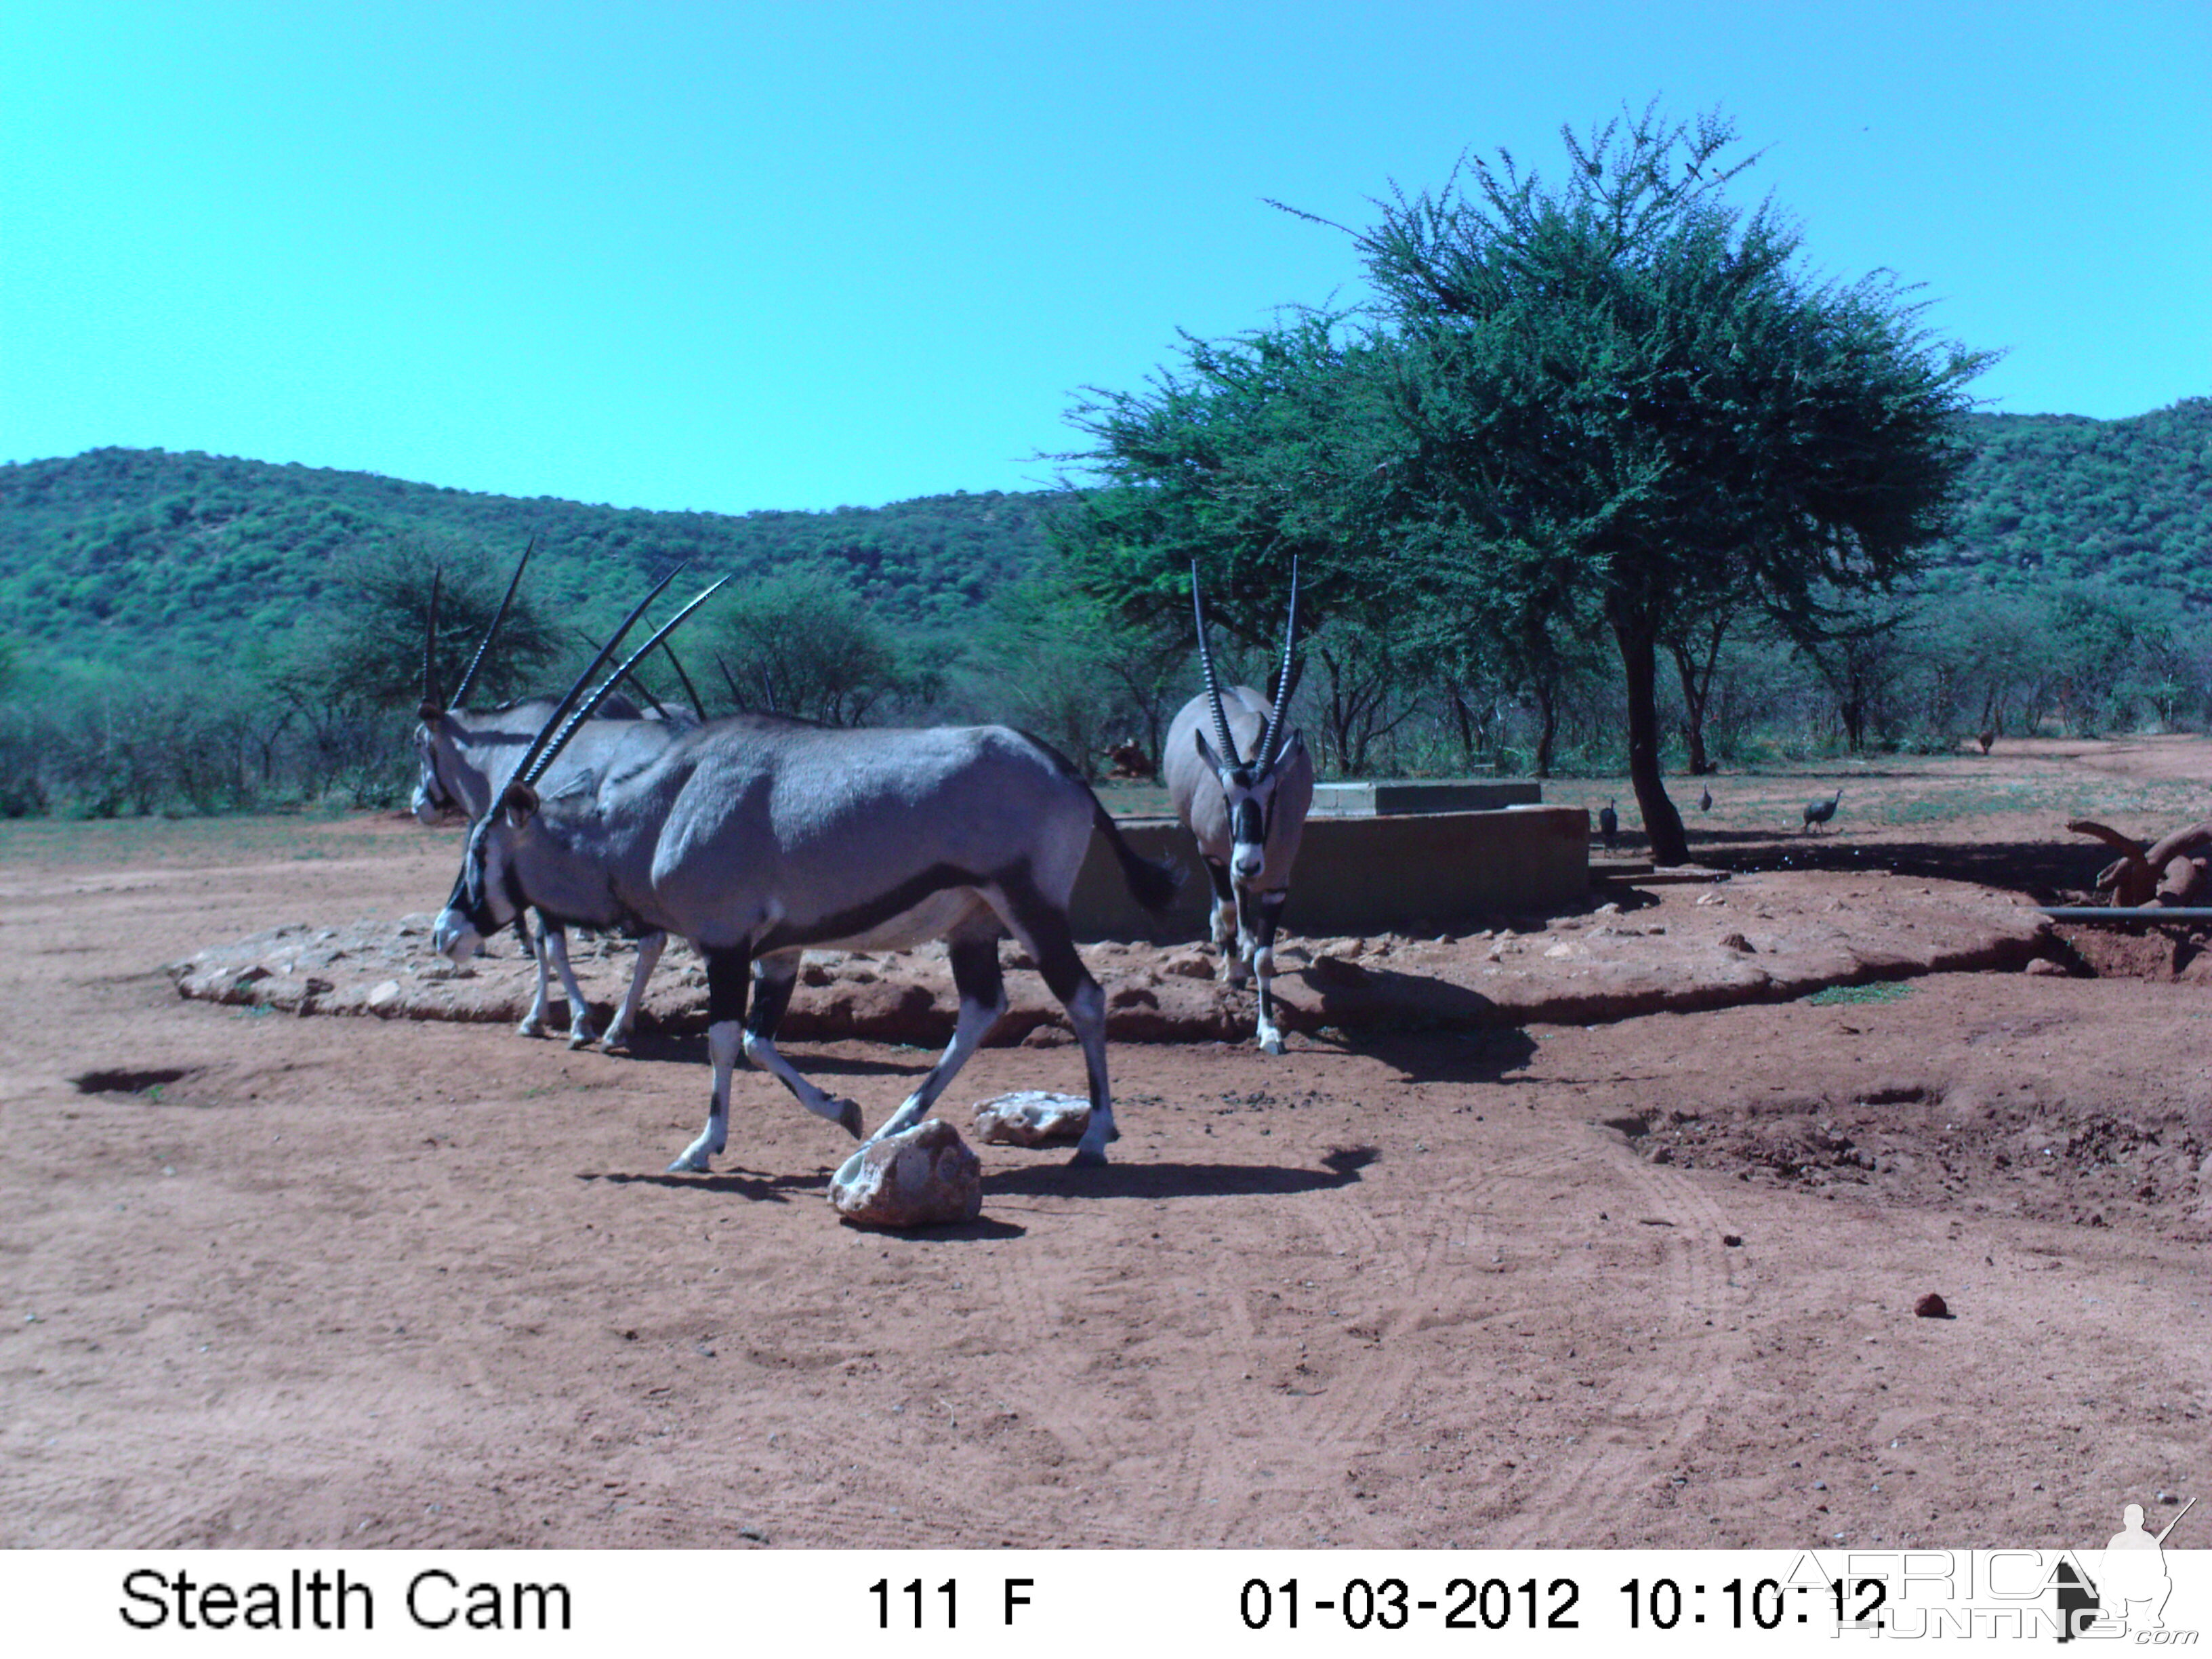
(1206,752)
(519,802)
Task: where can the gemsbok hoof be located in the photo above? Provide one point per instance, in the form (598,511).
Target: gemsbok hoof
(850,1119)
(1271,1044)
(531,1028)
(690,1163)
(1084,1158)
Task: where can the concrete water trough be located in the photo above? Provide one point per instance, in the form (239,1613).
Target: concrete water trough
(1407,864)
(1400,796)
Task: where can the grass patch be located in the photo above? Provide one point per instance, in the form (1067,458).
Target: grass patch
(174,842)
(1887,990)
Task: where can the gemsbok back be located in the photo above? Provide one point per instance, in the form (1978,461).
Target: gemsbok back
(1244,797)
(464,760)
(757,839)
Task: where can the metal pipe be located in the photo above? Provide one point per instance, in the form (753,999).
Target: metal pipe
(2123,913)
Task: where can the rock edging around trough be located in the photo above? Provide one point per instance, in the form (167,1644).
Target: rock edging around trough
(1766,938)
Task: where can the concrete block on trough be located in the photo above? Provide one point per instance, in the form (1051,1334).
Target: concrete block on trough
(1364,875)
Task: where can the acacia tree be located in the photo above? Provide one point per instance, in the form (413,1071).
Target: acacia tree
(370,651)
(803,643)
(1052,659)
(1624,388)
(1258,452)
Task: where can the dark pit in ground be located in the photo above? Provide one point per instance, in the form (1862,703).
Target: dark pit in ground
(125,1081)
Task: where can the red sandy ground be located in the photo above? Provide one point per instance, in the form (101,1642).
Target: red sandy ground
(277,1281)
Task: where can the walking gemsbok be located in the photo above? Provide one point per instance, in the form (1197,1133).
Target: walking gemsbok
(1244,797)
(464,760)
(758,838)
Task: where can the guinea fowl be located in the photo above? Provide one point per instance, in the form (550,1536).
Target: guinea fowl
(1819,811)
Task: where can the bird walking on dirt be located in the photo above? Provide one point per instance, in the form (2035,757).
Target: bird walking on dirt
(1608,824)
(1819,811)
(1705,801)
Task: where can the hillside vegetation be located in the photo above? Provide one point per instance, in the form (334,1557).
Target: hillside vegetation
(111,555)
(187,632)
(2061,497)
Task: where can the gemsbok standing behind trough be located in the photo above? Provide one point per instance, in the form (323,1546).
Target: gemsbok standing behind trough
(759,838)
(465,760)
(1244,797)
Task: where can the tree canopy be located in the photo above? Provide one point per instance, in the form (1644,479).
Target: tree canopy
(1625,388)
(1619,401)
(368,646)
(800,643)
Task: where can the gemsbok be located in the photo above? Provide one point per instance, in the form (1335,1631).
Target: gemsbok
(760,838)
(1244,797)
(464,760)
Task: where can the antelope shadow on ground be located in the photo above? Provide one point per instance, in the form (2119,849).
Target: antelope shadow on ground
(1475,1056)
(758,1185)
(1135,1179)
(683,1042)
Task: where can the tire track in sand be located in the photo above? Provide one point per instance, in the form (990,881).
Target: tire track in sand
(1637,1435)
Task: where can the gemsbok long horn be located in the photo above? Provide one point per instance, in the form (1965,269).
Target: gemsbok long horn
(568,697)
(461,691)
(698,703)
(1205,667)
(641,688)
(430,647)
(535,768)
(1266,757)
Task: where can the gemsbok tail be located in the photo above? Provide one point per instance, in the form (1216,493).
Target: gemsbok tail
(1152,883)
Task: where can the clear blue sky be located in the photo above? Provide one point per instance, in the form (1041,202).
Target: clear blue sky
(735,256)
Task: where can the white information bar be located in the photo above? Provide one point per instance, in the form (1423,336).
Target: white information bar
(1054,1602)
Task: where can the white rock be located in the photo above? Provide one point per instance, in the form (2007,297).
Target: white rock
(924,1176)
(1032,1117)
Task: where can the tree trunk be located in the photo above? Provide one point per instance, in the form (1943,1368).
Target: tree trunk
(1696,677)
(1695,691)
(1852,709)
(1466,721)
(1548,716)
(1639,657)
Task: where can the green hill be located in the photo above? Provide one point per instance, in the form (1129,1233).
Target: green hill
(114,553)
(109,556)
(2061,497)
